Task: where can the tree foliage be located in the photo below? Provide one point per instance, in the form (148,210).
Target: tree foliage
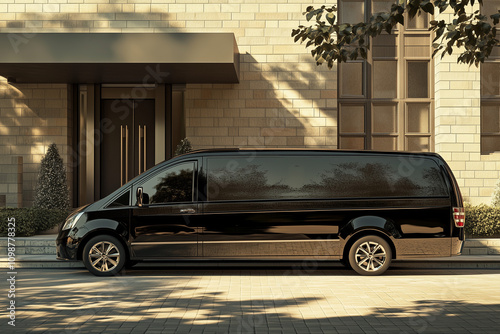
(183,147)
(52,188)
(333,41)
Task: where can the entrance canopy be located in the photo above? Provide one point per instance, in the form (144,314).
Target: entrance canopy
(119,57)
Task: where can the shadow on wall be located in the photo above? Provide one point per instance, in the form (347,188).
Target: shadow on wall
(31,117)
(276,105)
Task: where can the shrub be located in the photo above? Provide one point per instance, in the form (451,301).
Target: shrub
(482,221)
(183,147)
(24,221)
(52,188)
(30,221)
(45,219)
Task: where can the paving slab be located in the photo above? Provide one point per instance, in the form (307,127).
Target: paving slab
(265,300)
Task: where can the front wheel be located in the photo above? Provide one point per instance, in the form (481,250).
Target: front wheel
(370,255)
(104,255)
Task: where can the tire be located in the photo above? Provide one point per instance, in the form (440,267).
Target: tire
(345,263)
(104,255)
(370,255)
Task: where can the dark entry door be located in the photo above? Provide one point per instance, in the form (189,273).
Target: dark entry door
(128,141)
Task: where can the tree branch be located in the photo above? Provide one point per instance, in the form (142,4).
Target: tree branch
(333,41)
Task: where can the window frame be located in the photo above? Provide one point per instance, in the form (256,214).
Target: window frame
(194,186)
(403,56)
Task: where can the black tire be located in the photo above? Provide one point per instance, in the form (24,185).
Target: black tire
(370,255)
(104,255)
(345,263)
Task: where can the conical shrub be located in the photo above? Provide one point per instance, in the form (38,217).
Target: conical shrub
(52,187)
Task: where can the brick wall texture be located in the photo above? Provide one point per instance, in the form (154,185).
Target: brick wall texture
(458,127)
(283,99)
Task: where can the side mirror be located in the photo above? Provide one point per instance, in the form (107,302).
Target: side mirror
(139,195)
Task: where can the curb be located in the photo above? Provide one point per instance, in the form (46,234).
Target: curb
(457,262)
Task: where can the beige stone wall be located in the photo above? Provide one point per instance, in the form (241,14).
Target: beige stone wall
(283,98)
(458,128)
(32,116)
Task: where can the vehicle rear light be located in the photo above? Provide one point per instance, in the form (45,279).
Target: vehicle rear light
(459,217)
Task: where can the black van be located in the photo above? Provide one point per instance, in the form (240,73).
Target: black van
(363,208)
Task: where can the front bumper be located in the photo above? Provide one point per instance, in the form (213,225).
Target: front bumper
(66,247)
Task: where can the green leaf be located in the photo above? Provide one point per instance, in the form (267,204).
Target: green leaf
(330,17)
(309,15)
(363,53)
(495,18)
(428,8)
(400,19)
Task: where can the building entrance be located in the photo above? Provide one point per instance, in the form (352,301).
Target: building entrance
(127,142)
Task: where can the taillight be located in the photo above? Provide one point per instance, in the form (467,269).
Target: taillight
(459,217)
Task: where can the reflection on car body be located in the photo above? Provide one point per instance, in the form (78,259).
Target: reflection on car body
(363,208)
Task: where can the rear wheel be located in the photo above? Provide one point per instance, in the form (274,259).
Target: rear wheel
(345,263)
(370,255)
(104,255)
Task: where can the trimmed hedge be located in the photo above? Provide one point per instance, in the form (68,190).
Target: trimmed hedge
(30,221)
(482,221)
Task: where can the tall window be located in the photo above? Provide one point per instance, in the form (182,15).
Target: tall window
(386,102)
(490,94)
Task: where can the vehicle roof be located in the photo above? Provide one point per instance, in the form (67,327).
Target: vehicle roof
(250,149)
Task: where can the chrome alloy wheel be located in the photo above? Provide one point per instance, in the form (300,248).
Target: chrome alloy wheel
(370,256)
(104,256)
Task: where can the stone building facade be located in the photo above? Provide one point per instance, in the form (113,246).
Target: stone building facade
(279,97)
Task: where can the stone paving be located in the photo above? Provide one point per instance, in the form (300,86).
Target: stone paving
(299,299)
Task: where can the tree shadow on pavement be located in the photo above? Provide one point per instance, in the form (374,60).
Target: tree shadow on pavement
(184,301)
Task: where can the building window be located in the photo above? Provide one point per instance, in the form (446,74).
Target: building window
(386,102)
(490,107)
(490,95)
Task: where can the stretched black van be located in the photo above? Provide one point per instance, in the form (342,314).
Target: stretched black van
(363,208)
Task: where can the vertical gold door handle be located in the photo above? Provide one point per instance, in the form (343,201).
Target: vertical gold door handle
(139,138)
(145,151)
(121,155)
(126,153)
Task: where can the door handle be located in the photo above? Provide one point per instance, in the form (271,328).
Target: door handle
(123,135)
(139,138)
(144,151)
(121,155)
(143,155)
(188,211)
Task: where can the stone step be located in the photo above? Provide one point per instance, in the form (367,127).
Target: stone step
(46,245)
(37,245)
(481,247)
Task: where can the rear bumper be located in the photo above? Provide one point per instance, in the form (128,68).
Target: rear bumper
(457,245)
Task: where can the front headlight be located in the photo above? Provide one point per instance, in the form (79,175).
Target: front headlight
(71,221)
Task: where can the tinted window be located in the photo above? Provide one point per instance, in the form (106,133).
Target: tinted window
(123,200)
(287,177)
(174,184)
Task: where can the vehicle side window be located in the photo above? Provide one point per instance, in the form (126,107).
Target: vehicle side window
(123,200)
(315,177)
(172,185)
